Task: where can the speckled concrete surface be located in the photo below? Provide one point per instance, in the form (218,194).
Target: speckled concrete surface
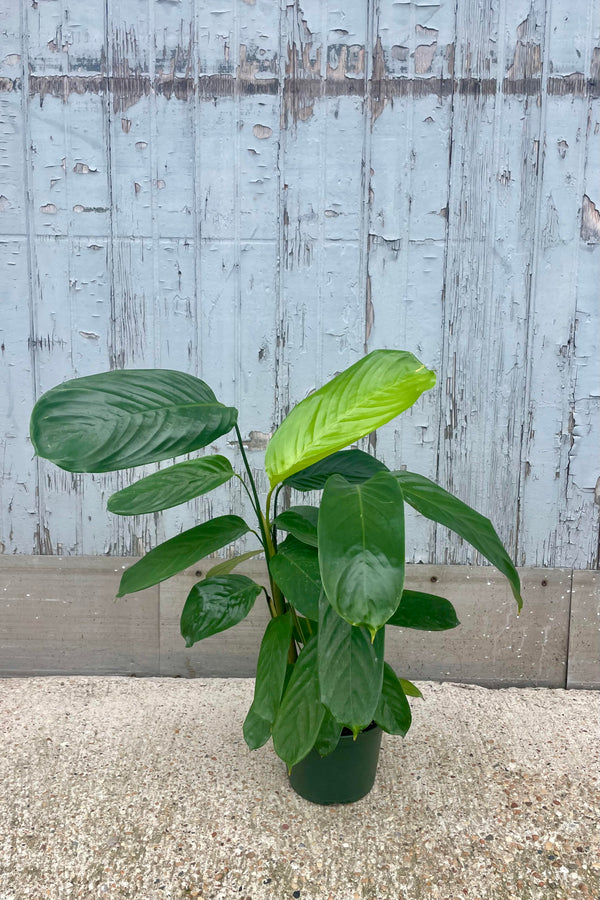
(143,788)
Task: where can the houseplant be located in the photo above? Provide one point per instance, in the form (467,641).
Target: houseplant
(336,572)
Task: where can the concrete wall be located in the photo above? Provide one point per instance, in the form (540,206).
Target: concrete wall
(259,193)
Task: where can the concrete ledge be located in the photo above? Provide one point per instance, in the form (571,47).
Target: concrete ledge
(144,788)
(59,617)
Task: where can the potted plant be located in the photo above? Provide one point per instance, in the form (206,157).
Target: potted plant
(336,571)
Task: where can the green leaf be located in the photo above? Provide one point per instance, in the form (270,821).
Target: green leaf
(295,568)
(393,711)
(437,504)
(257,730)
(126,418)
(366,395)
(171,486)
(350,669)
(301,522)
(271,666)
(410,689)
(216,604)
(355,465)
(228,565)
(329,735)
(180,552)
(426,612)
(301,713)
(361,548)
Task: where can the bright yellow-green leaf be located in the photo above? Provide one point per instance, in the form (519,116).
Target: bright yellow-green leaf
(368,394)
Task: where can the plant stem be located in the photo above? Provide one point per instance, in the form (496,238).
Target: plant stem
(239,477)
(278,601)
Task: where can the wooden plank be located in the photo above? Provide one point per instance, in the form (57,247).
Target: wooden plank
(408,199)
(485,320)
(492,646)
(59,617)
(18,502)
(584,632)
(79,629)
(557,513)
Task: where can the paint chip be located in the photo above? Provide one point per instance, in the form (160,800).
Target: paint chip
(160,184)
(141,145)
(262,132)
(137,187)
(590,222)
(4,203)
(83,169)
(50,209)
(13,59)
(126,125)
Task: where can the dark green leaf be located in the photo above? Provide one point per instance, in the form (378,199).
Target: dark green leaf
(295,568)
(271,666)
(301,522)
(257,730)
(357,401)
(171,486)
(329,735)
(354,465)
(126,418)
(180,552)
(301,713)
(228,565)
(350,669)
(410,689)
(426,612)
(437,504)
(216,604)
(361,548)
(393,712)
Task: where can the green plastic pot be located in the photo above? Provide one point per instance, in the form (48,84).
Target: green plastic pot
(345,775)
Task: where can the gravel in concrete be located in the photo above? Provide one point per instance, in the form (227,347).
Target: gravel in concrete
(144,788)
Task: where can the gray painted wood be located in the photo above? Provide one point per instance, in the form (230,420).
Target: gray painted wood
(261,193)
(59,617)
(493,645)
(584,632)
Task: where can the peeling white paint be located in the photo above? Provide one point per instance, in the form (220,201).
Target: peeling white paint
(261,197)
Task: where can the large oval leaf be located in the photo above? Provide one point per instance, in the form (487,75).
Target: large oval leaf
(295,568)
(172,486)
(361,548)
(350,669)
(368,394)
(355,465)
(435,503)
(126,418)
(301,713)
(393,711)
(215,604)
(301,522)
(425,612)
(180,552)
(271,666)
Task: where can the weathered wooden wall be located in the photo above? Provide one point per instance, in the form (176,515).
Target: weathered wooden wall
(261,192)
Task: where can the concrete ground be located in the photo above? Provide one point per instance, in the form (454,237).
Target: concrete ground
(143,788)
